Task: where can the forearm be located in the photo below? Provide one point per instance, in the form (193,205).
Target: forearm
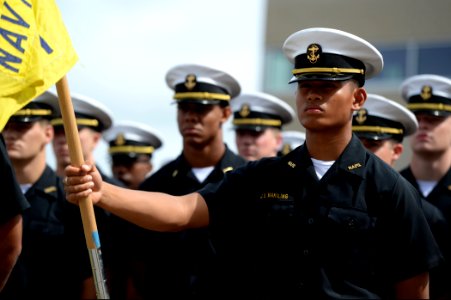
(414,288)
(155,211)
(10,247)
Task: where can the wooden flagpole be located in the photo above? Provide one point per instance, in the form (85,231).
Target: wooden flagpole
(86,206)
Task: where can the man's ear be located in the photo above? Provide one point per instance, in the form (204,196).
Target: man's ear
(49,132)
(96,136)
(359,98)
(279,138)
(397,151)
(226,112)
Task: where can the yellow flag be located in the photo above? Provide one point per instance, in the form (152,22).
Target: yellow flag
(35,52)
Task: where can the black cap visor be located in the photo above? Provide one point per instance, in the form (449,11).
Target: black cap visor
(321,77)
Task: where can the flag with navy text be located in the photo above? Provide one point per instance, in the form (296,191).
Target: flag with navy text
(35,52)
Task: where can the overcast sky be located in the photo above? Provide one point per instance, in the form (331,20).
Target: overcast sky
(125,49)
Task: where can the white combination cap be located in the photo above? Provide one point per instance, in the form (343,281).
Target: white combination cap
(45,106)
(428,93)
(88,113)
(200,84)
(331,54)
(256,111)
(132,138)
(381,118)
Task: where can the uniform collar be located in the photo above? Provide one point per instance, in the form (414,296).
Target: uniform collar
(352,160)
(228,162)
(46,184)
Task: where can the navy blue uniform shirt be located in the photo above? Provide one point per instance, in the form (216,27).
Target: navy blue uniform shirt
(48,266)
(439,198)
(280,232)
(171,265)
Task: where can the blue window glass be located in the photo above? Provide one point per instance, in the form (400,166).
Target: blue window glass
(395,60)
(277,72)
(435,60)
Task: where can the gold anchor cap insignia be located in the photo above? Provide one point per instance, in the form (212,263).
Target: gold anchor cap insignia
(245,110)
(190,81)
(120,139)
(361,116)
(314,52)
(426,92)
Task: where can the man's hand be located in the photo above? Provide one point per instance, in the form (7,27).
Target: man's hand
(81,182)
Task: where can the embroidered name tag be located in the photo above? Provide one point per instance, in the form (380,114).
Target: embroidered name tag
(279,196)
(354,166)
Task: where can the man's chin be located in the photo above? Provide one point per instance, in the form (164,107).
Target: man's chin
(194,141)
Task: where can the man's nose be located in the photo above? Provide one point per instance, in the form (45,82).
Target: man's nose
(313,94)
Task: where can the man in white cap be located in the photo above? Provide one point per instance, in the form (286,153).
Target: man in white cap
(327,220)
(92,118)
(131,147)
(177,265)
(291,139)
(428,96)
(381,124)
(258,119)
(46,267)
